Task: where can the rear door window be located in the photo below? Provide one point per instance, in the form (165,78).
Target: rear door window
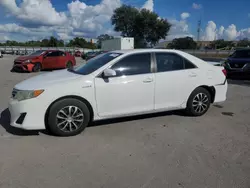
(172,62)
(169,62)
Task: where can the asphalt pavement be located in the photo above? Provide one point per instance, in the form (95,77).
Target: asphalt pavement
(150,151)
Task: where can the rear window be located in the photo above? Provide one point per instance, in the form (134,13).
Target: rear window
(241,54)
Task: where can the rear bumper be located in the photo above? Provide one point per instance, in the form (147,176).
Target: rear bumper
(238,73)
(245,70)
(221,92)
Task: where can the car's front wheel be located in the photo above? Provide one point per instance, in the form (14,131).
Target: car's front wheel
(37,67)
(69,65)
(68,117)
(199,102)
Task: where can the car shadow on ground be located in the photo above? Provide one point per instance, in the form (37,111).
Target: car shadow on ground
(5,122)
(242,81)
(137,117)
(45,70)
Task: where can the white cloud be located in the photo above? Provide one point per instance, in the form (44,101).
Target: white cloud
(196,6)
(91,18)
(38,17)
(179,29)
(3,37)
(244,33)
(185,15)
(229,33)
(13,28)
(249,15)
(35,12)
(210,32)
(149,5)
(221,32)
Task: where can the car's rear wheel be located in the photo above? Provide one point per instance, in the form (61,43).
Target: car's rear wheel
(199,102)
(37,67)
(68,117)
(69,65)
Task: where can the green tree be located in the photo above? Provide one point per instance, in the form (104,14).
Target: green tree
(44,43)
(145,26)
(102,38)
(243,43)
(52,42)
(221,43)
(183,43)
(80,43)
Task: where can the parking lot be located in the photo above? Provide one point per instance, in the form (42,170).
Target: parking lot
(160,150)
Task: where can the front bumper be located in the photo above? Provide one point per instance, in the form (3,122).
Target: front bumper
(28,114)
(23,67)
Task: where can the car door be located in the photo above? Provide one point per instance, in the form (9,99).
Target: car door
(50,60)
(175,79)
(61,60)
(131,91)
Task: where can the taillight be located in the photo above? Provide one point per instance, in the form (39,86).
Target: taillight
(224,72)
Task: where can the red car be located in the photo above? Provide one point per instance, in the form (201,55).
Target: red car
(78,54)
(44,59)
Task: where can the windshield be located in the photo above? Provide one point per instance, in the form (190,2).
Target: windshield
(89,53)
(37,53)
(95,63)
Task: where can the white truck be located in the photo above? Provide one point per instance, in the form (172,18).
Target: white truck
(125,43)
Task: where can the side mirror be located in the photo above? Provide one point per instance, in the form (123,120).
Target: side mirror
(109,73)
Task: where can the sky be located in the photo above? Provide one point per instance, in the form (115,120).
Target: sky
(23,20)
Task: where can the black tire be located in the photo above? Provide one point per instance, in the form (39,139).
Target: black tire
(199,102)
(70,129)
(69,65)
(37,67)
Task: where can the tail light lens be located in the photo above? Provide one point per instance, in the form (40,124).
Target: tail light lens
(224,72)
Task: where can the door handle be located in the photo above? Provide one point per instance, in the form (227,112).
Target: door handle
(148,80)
(192,74)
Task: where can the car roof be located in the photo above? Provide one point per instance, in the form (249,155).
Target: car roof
(243,49)
(146,50)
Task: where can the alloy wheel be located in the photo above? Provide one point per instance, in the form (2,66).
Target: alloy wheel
(70,118)
(200,103)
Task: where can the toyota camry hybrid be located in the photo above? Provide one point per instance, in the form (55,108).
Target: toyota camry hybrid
(116,84)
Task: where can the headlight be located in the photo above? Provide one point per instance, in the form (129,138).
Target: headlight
(27,61)
(25,94)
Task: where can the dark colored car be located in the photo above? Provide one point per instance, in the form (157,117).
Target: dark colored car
(44,59)
(22,52)
(8,52)
(238,63)
(90,55)
(85,55)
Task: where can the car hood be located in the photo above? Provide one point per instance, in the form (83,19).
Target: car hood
(45,80)
(24,58)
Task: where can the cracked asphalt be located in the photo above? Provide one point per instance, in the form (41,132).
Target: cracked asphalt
(158,151)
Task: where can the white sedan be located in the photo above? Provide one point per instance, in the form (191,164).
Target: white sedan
(116,84)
